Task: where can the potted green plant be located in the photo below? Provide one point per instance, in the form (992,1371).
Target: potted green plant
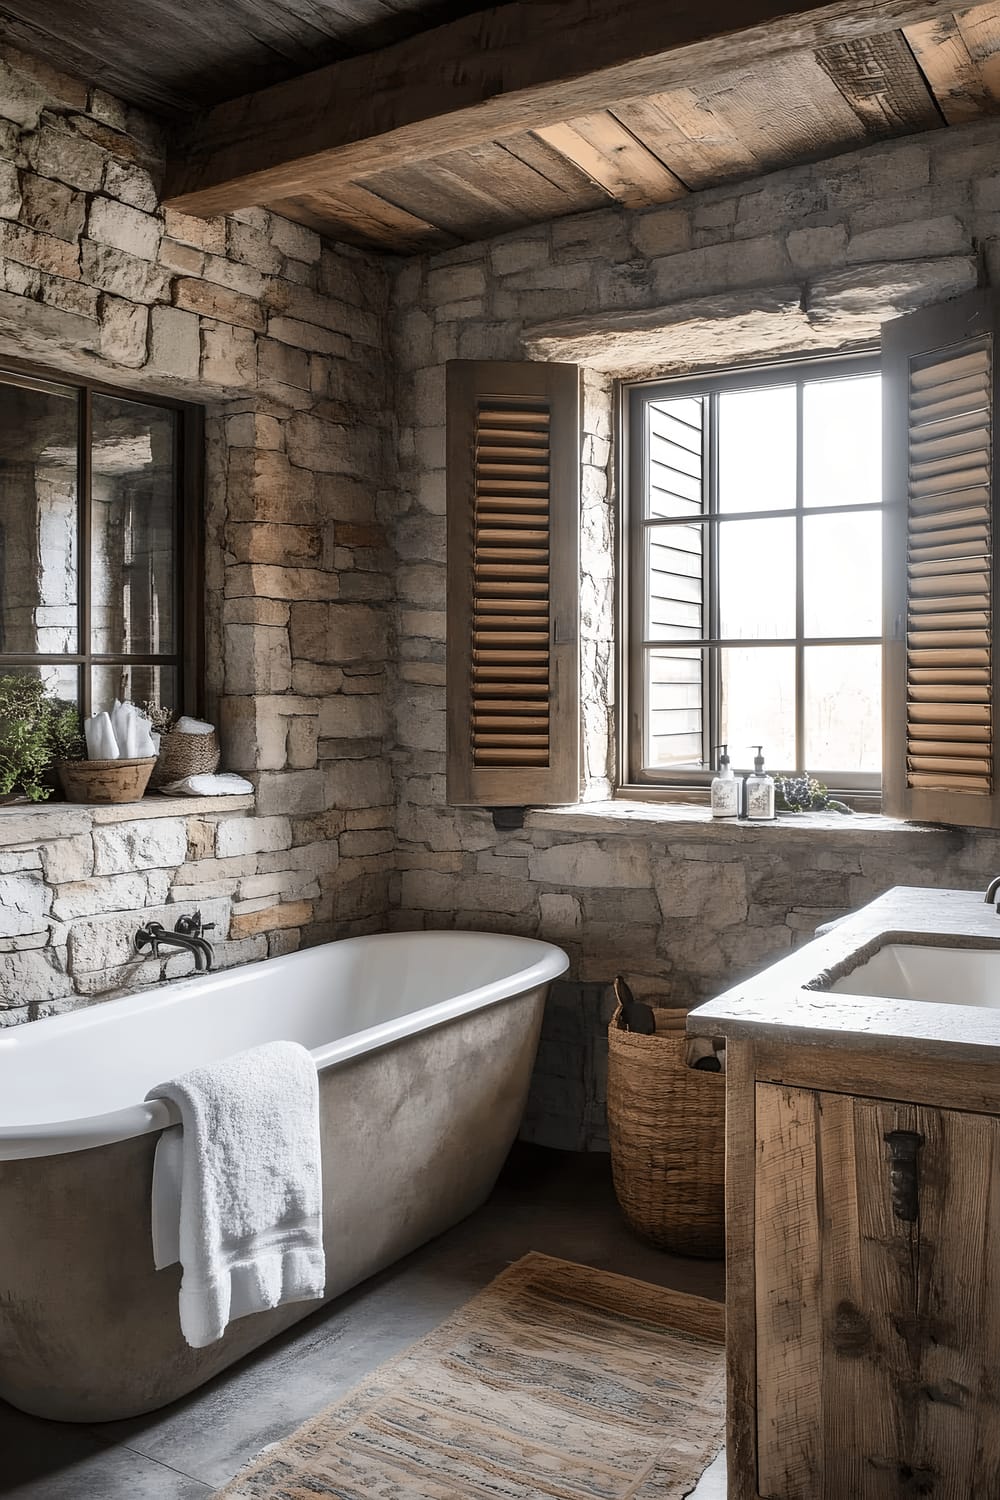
(36,731)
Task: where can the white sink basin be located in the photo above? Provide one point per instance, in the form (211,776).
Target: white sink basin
(945,976)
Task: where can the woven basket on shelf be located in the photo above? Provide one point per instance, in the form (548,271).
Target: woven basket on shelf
(105,780)
(185,755)
(667,1125)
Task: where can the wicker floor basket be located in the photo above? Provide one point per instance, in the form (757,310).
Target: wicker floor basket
(667,1126)
(185,755)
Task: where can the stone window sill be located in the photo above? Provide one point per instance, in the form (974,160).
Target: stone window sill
(31,822)
(684,820)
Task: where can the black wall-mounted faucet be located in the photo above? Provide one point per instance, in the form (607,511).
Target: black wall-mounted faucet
(186,936)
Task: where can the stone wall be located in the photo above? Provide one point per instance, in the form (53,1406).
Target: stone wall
(808,259)
(283,339)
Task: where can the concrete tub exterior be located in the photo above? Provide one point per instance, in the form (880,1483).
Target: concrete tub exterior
(419,1107)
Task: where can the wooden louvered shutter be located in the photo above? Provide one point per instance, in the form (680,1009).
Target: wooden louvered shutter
(939,387)
(513,584)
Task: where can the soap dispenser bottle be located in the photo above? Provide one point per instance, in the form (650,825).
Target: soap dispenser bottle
(725,788)
(758,791)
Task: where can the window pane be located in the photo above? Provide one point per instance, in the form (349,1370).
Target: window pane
(674,439)
(134,492)
(843,708)
(139,684)
(674,697)
(60,682)
(674,588)
(758,704)
(756,579)
(38,519)
(757,449)
(842,573)
(842,441)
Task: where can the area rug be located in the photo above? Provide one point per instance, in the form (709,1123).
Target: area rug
(556,1381)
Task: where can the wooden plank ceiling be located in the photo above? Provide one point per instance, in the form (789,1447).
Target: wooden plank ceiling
(175,57)
(660,147)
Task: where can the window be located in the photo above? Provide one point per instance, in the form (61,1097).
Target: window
(100,542)
(755,573)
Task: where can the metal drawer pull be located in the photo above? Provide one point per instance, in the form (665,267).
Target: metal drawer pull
(904,1146)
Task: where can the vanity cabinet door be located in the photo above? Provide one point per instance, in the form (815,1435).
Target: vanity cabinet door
(877,1273)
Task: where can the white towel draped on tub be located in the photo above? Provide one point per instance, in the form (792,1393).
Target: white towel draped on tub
(237,1188)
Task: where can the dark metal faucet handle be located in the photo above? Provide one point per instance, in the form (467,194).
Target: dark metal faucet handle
(189,926)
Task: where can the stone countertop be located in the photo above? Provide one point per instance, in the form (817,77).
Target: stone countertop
(779,1004)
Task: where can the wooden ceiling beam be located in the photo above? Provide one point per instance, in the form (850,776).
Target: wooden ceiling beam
(519,66)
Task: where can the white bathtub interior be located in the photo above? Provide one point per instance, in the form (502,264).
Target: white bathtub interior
(90,1064)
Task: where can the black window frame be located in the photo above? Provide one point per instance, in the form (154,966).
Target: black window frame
(188,657)
(634,776)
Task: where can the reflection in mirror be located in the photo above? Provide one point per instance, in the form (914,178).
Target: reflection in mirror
(38,518)
(132,519)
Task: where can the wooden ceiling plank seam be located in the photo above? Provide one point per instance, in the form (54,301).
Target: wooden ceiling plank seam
(427,187)
(953,76)
(491,170)
(558,170)
(791,111)
(881,82)
(609,153)
(700,147)
(360,217)
(514,67)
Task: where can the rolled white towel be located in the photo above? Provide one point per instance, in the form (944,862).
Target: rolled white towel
(187,725)
(100,737)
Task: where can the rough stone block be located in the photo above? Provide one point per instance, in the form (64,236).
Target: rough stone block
(122,274)
(203,234)
(281,364)
(228,355)
(130,184)
(252,246)
(68,859)
(155,844)
(715,894)
(358,783)
(295,240)
(455,284)
(662,231)
(257,659)
(269,542)
(37,975)
(218,302)
(352,717)
(917,240)
(86,898)
(184,260)
(45,252)
(175,343)
(54,152)
(822,248)
(338,632)
(586,863)
(124,332)
(253,835)
(10,191)
(24,904)
(129,229)
(290,792)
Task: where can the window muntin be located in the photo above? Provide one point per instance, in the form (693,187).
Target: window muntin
(755,572)
(97,594)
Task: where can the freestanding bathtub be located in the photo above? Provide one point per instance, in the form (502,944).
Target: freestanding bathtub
(424,1044)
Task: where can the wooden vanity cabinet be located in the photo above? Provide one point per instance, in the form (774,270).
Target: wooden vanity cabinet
(864,1276)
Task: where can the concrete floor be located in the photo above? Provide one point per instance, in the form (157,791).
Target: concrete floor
(550,1201)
